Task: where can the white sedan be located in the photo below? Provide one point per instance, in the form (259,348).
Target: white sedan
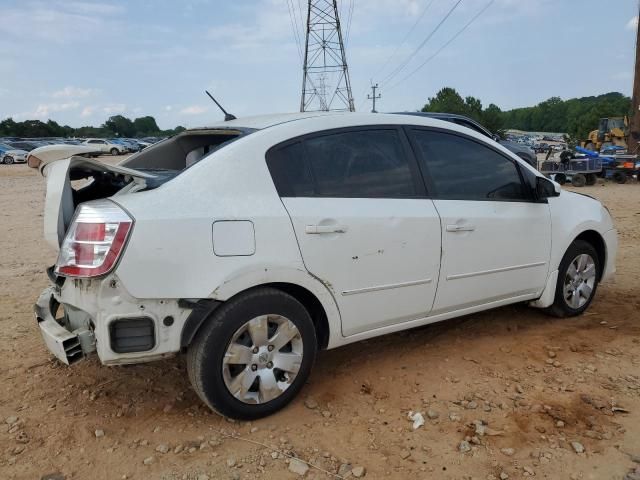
(254,243)
(105,146)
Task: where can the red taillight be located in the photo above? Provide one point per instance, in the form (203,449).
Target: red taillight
(94,240)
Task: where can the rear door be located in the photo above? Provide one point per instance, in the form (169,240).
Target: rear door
(496,240)
(363,223)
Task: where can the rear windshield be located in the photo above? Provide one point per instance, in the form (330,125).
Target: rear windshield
(185,149)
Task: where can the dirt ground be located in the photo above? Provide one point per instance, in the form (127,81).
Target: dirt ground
(532,385)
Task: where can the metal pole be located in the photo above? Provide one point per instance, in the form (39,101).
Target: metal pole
(374,97)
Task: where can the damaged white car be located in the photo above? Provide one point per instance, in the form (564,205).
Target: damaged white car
(254,243)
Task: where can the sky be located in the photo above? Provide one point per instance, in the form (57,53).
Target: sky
(79,62)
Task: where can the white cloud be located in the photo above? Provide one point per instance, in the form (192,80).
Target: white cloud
(74,92)
(87,111)
(93,8)
(58,22)
(270,25)
(632,24)
(114,108)
(193,110)
(44,110)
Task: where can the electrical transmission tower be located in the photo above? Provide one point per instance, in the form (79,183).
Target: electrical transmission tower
(325,82)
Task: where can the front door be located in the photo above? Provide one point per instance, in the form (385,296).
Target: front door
(496,240)
(363,224)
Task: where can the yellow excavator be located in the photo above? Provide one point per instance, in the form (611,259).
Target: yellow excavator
(611,132)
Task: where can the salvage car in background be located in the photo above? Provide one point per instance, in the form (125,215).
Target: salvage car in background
(105,146)
(9,154)
(254,243)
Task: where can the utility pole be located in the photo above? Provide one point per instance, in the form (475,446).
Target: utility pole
(634,124)
(374,97)
(325,74)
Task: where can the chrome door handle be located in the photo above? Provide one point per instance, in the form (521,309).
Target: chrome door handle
(460,228)
(317,229)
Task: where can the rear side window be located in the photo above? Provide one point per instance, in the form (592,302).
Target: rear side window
(359,163)
(463,169)
(290,172)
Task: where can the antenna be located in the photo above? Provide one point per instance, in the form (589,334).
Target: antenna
(227,116)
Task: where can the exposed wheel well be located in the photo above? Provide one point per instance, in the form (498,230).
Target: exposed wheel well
(204,308)
(595,239)
(313,306)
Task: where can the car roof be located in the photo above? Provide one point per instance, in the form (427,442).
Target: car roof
(353,118)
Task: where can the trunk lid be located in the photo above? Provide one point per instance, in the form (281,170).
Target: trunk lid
(72,179)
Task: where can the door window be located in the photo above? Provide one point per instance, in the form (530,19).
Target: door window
(463,169)
(358,163)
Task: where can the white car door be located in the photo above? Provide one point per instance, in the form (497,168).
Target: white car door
(496,239)
(363,223)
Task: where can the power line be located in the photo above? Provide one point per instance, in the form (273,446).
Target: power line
(406,37)
(294,27)
(424,42)
(445,45)
(299,18)
(350,17)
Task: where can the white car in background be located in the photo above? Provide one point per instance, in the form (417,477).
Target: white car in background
(252,244)
(9,157)
(10,154)
(105,146)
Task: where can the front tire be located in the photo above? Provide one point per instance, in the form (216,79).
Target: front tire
(114,151)
(253,355)
(578,277)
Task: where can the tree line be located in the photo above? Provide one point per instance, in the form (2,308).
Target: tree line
(576,116)
(115,126)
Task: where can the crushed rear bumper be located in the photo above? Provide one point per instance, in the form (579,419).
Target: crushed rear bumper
(65,344)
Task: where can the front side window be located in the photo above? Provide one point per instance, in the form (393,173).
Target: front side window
(463,169)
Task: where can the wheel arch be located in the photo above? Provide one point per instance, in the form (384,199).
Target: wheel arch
(594,238)
(313,306)
(310,292)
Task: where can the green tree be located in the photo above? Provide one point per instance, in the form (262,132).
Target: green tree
(145,126)
(447,100)
(576,116)
(120,126)
(492,118)
(473,108)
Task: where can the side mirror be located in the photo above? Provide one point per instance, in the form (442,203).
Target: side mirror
(497,137)
(545,188)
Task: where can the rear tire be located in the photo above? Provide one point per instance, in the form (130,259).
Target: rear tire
(592,178)
(577,281)
(560,178)
(578,180)
(8,160)
(232,365)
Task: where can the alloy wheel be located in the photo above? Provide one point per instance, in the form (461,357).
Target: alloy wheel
(579,281)
(262,359)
